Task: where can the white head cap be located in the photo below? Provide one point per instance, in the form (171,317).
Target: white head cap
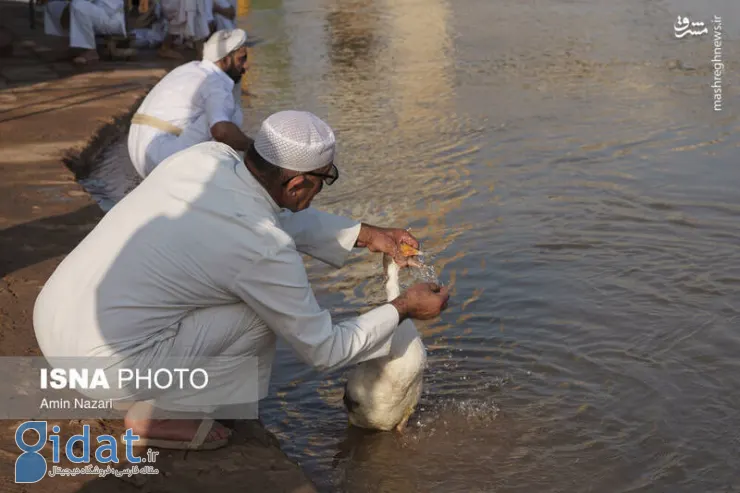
(221,43)
(296,140)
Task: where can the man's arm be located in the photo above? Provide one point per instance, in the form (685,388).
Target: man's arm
(324,236)
(231,135)
(222,111)
(330,238)
(276,287)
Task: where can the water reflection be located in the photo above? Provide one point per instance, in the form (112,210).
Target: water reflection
(391,87)
(422,459)
(351,35)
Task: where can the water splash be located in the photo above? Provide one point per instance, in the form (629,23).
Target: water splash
(425,272)
(453,414)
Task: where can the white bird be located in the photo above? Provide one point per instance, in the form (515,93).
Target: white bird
(382,393)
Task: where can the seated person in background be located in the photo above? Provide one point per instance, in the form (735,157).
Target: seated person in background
(149,27)
(224,13)
(189,19)
(196,102)
(56,17)
(83,19)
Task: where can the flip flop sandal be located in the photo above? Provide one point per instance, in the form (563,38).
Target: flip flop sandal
(197,443)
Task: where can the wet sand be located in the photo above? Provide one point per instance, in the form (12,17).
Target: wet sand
(50,109)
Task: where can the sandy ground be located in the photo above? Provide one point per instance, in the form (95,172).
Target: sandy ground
(49,108)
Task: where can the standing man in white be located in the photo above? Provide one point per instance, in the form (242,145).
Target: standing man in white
(196,102)
(203,260)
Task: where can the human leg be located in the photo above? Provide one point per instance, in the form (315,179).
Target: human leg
(236,350)
(87,20)
(56,18)
(162,145)
(147,146)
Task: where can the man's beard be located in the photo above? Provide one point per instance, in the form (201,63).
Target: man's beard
(235,74)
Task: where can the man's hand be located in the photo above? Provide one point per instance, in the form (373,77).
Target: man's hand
(386,240)
(422,301)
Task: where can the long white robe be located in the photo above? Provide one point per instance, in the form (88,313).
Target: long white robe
(193,97)
(199,262)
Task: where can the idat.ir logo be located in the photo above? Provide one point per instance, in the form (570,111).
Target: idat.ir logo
(31,466)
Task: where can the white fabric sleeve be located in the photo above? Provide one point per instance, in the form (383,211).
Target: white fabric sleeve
(238,115)
(324,236)
(218,102)
(276,287)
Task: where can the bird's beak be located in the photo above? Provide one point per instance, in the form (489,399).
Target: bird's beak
(408,250)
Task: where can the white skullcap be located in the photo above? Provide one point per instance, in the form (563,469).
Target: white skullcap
(223,42)
(296,140)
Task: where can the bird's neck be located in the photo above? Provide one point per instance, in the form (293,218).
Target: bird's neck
(392,285)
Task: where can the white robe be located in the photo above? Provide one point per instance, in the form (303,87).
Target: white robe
(199,262)
(53,18)
(222,23)
(86,19)
(188,18)
(152,36)
(193,97)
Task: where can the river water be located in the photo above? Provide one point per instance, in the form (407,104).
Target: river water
(563,165)
(566,171)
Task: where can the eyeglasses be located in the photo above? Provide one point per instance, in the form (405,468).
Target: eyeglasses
(328,178)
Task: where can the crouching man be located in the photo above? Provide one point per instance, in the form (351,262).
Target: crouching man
(203,260)
(196,102)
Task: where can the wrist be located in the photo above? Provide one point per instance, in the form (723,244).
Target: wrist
(365,236)
(402,306)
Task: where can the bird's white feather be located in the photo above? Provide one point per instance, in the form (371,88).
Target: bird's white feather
(382,393)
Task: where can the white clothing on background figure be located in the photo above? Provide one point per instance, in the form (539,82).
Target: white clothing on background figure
(199,261)
(221,21)
(153,35)
(188,18)
(91,17)
(185,104)
(193,97)
(53,18)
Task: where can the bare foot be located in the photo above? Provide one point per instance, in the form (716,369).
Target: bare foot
(89,56)
(173,429)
